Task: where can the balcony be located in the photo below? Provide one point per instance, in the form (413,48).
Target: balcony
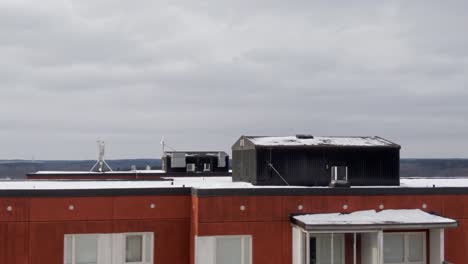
(369,237)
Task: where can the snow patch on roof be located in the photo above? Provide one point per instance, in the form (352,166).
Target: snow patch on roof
(202,183)
(93,172)
(175,182)
(372,217)
(321,141)
(434,182)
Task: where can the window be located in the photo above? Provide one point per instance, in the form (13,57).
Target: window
(121,248)
(405,248)
(191,167)
(224,250)
(138,248)
(134,248)
(81,249)
(206,167)
(394,248)
(321,248)
(339,174)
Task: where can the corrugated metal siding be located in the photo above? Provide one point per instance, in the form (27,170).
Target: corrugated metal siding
(311,167)
(244,165)
(297,168)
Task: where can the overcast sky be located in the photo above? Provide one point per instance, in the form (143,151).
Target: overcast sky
(202,73)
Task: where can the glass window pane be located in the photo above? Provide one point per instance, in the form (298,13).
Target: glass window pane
(86,249)
(394,248)
(68,249)
(313,250)
(205,250)
(148,247)
(337,248)
(247,246)
(342,170)
(304,249)
(416,247)
(134,248)
(228,250)
(324,256)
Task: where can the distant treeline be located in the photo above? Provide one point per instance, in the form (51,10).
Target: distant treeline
(433,167)
(17,169)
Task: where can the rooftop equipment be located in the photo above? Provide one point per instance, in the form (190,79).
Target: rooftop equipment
(307,160)
(304,136)
(101,164)
(195,162)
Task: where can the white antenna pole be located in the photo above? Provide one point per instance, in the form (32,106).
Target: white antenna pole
(163,145)
(101,162)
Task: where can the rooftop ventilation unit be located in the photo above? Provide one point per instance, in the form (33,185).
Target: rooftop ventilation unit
(206,167)
(222,159)
(339,176)
(178,160)
(304,136)
(191,167)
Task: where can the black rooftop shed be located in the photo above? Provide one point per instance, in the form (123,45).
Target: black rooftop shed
(306,160)
(196,162)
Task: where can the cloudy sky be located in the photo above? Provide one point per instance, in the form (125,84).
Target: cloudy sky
(202,73)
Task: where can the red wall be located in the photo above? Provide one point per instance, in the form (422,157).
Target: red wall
(32,233)
(267,218)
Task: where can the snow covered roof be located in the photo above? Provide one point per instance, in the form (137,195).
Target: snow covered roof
(434,182)
(207,183)
(294,141)
(196,153)
(93,172)
(167,182)
(371,219)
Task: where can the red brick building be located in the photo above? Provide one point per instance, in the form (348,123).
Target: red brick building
(207,220)
(36,216)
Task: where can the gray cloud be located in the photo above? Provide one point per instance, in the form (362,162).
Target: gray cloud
(202,73)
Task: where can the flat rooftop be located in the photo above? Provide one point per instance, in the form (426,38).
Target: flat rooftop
(94,172)
(320,141)
(210,183)
(371,220)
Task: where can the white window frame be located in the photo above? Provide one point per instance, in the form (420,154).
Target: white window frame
(301,244)
(191,167)
(334,174)
(212,242)
(206,167)
(406,236)
(144,237)
(319,237)
(111,247)
(100,253)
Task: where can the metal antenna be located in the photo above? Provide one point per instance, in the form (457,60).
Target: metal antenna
(164,145)
(101,162)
